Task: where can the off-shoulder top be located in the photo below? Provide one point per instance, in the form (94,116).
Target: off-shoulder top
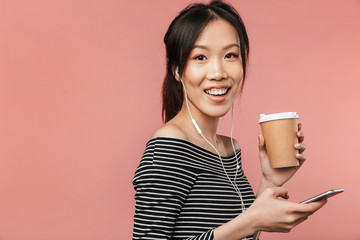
(182,191)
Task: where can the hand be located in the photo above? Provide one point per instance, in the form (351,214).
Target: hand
(278,176)
(267,213)
(274,215)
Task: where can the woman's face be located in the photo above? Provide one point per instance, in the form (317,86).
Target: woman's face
(213,71)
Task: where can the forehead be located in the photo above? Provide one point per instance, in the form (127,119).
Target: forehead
(218,33)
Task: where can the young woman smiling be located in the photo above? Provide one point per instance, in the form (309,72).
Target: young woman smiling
(190,183)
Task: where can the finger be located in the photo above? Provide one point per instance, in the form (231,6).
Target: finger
(294,220)
(300,220)
(317,205)
(299,126)
(300,136)
(312,207)
(262,148)
(300,157)
(300,147)
(261,141)
(279,192)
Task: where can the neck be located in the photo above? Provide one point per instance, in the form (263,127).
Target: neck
(208,125)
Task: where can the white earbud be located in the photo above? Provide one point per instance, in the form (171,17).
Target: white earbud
(177,73)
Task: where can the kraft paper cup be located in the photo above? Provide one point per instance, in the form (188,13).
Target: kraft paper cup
(279,131)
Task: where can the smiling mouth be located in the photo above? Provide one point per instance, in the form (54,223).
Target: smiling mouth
(217,91)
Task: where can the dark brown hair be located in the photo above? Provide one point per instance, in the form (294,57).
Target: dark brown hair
(179,40)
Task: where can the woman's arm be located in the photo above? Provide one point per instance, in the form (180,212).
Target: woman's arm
(268,213)
(276,177)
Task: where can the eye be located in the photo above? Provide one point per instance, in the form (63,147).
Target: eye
(231,55)
(200,57)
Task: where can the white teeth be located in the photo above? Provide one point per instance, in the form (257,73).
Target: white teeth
(216,92)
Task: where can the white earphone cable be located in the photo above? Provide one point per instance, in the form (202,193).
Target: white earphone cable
(232,182)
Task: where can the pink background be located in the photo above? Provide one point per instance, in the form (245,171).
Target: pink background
(80,97)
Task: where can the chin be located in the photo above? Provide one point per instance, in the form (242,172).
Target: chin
(217,113)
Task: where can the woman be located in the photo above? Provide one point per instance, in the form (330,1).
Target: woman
(190,184)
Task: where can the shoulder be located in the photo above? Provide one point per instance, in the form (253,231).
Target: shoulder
(170,130)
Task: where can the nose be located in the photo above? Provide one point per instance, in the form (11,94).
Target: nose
(216,71)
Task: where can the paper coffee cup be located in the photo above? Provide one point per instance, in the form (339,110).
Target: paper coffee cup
(279,131)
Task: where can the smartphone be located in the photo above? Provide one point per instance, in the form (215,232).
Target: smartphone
(321,196)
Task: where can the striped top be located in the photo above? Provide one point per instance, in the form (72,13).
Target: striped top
(182,191)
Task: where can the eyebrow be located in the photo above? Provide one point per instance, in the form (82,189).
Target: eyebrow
(224,48)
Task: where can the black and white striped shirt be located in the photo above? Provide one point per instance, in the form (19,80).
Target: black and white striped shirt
(183,193)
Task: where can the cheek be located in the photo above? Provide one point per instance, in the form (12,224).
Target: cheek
(193,75)
(237,74)
(240,71)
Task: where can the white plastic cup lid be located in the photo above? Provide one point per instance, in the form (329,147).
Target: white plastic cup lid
(277,116)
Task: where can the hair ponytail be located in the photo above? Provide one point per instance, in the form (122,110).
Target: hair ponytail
(172,97)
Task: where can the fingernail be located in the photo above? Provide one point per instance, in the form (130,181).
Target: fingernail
(297,145)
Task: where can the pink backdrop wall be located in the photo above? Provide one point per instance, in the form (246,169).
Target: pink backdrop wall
(80,97)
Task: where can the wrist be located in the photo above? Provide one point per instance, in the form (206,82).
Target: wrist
(268,183)
(264,184)
(238,228)
(253,219)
